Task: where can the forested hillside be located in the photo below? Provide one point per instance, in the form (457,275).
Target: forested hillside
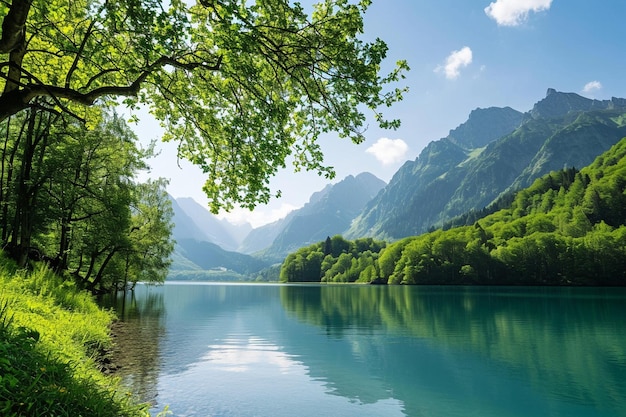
(567,228)
(334,260)
(495,151)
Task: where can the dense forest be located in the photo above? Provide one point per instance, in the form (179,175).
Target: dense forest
(69,197)
(567,228)
(334,260)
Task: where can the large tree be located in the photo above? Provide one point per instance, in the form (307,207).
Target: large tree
(241,85)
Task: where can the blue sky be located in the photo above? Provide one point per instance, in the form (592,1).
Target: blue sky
(463,54)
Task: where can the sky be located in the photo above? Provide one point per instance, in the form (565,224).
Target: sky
(463,54)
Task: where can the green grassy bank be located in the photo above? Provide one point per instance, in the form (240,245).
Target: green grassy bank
(51,335)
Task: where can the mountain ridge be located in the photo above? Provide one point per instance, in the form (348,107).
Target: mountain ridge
(447,180)
(218,231)
(328,212)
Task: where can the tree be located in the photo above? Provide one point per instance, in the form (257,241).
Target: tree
(288,269)
(369,274)
(390,256)
(147,256)
(25,140)
(340,269)
(328,246)
(339,245)
(88,186)
(241,87)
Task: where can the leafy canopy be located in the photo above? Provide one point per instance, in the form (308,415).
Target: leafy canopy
(240,85)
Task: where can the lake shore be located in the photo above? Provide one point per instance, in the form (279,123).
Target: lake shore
(52,336)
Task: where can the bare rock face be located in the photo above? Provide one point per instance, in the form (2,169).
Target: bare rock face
(558,104)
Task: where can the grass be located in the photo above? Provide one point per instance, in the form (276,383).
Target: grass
(51,335)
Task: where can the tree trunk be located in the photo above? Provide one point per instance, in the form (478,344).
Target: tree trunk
(7,182)
(22,225)
(98,279)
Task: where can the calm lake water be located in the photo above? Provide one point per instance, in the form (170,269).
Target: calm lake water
(211,350)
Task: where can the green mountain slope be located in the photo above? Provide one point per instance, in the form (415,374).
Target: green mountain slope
(327,213)
(453,176)
(567,228)
(196,260)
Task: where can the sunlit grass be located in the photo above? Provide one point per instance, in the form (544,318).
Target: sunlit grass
(51,335)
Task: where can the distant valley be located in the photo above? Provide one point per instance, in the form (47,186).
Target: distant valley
(229,251)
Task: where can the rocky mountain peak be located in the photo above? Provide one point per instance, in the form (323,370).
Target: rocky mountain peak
(484,126)
(558,104)
(452,176)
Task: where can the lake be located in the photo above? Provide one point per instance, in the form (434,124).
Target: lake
(266,350)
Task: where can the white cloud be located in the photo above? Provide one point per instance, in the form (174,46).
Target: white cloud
(455,61)
(515,12)
(592,86)
(389,151)
(259,217)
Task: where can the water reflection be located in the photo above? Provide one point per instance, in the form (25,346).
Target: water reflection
(137,339)
(230,350)
(243,354)
(568,343)
(242,350)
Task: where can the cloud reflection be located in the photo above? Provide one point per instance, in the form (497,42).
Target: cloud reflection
(242,354)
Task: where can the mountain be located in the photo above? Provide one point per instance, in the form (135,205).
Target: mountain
(198,253)
(215,230)
(263,236)
(328,212)
(557,104)
(207,255)
(205,261)
(184,225)
(484,126)
(567,228)
(206,245)
(496,150)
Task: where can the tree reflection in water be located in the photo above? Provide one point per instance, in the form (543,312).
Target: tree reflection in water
(567,342)
(137,337)
(491,351)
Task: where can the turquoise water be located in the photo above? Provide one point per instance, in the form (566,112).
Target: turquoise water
(312,350)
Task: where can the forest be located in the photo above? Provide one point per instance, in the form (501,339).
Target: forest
(69,196)
(567,228)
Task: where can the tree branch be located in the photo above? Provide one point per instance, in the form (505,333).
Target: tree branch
(79,54)
(16,100)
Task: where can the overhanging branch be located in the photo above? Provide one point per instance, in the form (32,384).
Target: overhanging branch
(19,99)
